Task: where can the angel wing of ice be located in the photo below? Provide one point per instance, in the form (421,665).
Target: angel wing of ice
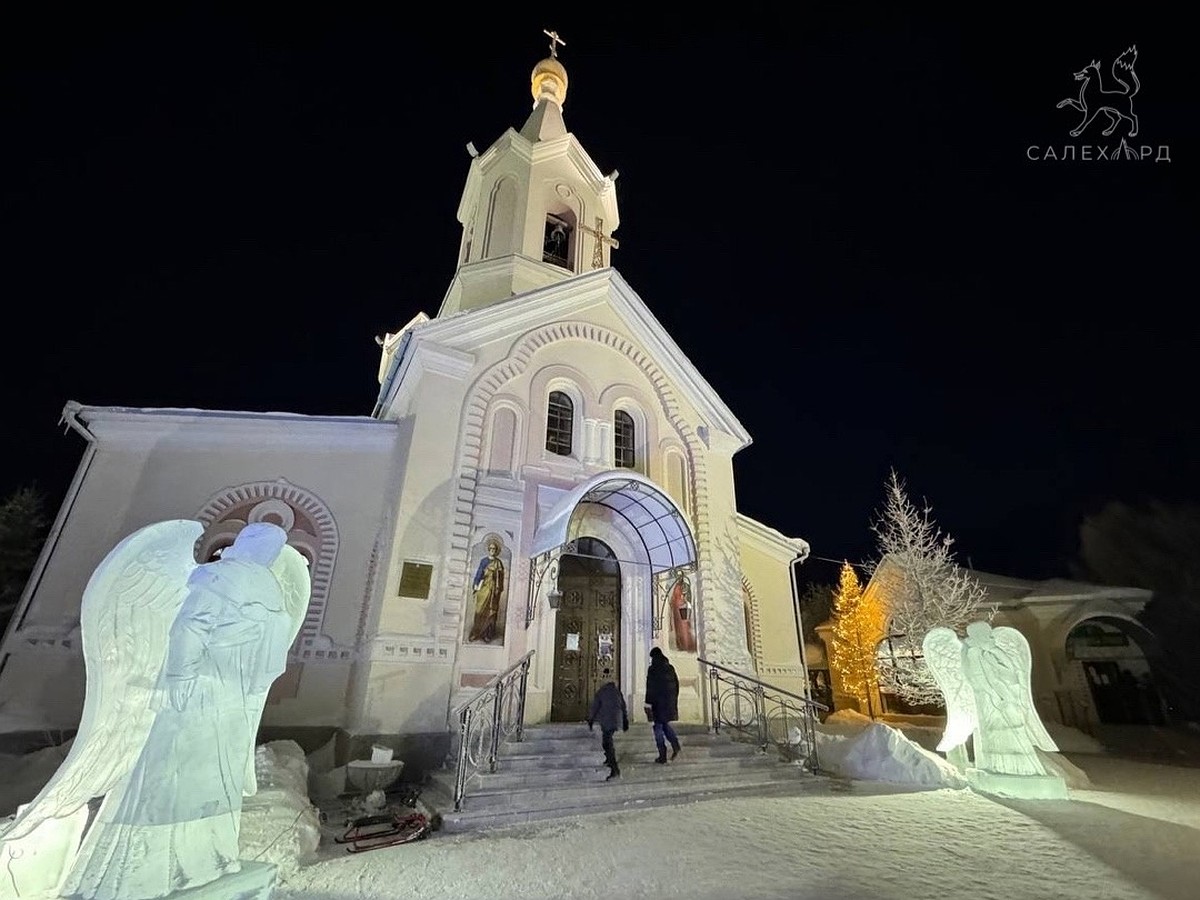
(943,655)
(126,613)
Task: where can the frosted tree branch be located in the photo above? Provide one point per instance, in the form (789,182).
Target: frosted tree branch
(925,588)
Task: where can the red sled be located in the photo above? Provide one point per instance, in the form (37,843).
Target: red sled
(386,830)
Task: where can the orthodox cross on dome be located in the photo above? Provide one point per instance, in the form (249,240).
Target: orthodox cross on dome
(601,240)
(554,40)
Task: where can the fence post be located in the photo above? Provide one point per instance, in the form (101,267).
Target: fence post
(460,776)
(521,700)
(497,712)
(760,711)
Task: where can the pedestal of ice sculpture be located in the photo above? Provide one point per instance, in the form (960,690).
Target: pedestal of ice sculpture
(1018,787)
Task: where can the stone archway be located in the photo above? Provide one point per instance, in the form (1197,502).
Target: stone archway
(1109,671)
(649,537)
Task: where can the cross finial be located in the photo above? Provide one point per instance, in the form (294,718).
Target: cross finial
(554,40)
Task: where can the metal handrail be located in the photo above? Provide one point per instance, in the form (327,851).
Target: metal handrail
(750,707)
(497,710)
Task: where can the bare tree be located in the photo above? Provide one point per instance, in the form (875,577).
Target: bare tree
(924,587)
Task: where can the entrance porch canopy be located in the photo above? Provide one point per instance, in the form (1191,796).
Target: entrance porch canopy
(658,522)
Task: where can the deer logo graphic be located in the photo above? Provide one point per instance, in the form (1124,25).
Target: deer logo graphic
(1094,99)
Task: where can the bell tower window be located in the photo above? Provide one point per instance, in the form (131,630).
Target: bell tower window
(556,246)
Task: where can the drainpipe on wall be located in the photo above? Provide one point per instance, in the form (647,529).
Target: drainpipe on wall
(800,557)
(70,417)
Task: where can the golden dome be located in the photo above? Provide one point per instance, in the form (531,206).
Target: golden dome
(549,81)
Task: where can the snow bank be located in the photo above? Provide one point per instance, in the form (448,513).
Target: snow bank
(1072,740)
(879,752)
(279,824)
(853,746)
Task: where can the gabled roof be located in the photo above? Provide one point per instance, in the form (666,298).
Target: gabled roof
(515,316)
(1005,591)
(773,538)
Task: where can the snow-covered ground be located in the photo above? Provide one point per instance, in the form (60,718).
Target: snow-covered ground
(894,823)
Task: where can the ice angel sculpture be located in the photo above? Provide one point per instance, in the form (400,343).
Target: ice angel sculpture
(985,679)
(179,658)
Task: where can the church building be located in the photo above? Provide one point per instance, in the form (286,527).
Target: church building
(544,477)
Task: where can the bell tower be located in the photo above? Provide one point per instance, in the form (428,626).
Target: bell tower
(536,209)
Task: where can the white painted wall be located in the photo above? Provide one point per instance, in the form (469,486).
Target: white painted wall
(152,466)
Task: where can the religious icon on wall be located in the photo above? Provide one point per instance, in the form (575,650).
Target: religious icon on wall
(680,599)
(488,586)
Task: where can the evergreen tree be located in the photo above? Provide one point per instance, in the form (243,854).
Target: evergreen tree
(858,626)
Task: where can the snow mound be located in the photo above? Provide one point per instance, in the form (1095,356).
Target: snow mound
(1074,777)
(879,752)
(1072,740)
(279,824)
(846,721)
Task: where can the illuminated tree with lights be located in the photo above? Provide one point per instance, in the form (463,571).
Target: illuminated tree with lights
(858,626)
(922,588)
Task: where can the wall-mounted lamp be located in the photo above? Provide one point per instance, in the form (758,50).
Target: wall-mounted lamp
(681,602)
(543,569)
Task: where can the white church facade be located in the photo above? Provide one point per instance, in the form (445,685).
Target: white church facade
(544,474)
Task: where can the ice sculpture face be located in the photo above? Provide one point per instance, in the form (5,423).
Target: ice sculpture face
(985,680)
(179,659)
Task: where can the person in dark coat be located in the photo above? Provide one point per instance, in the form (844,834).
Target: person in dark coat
(608,708)
(662,703)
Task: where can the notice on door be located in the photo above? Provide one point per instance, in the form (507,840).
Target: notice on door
(572,642)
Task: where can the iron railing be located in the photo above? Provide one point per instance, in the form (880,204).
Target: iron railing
(494,714)
(762,713)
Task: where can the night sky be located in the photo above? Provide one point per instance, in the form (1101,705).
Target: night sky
(831,209)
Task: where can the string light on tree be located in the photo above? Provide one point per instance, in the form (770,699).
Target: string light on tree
(858,626)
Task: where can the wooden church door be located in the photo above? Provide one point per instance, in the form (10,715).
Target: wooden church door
(587,633)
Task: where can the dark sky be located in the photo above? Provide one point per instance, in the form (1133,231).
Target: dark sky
(831,208)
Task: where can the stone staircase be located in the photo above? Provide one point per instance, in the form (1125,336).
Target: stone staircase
(557,771)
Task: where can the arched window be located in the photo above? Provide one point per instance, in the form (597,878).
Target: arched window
(623,440)
(557,241)
(560,417)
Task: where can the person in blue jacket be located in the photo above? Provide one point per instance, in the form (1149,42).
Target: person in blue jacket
(662,702)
